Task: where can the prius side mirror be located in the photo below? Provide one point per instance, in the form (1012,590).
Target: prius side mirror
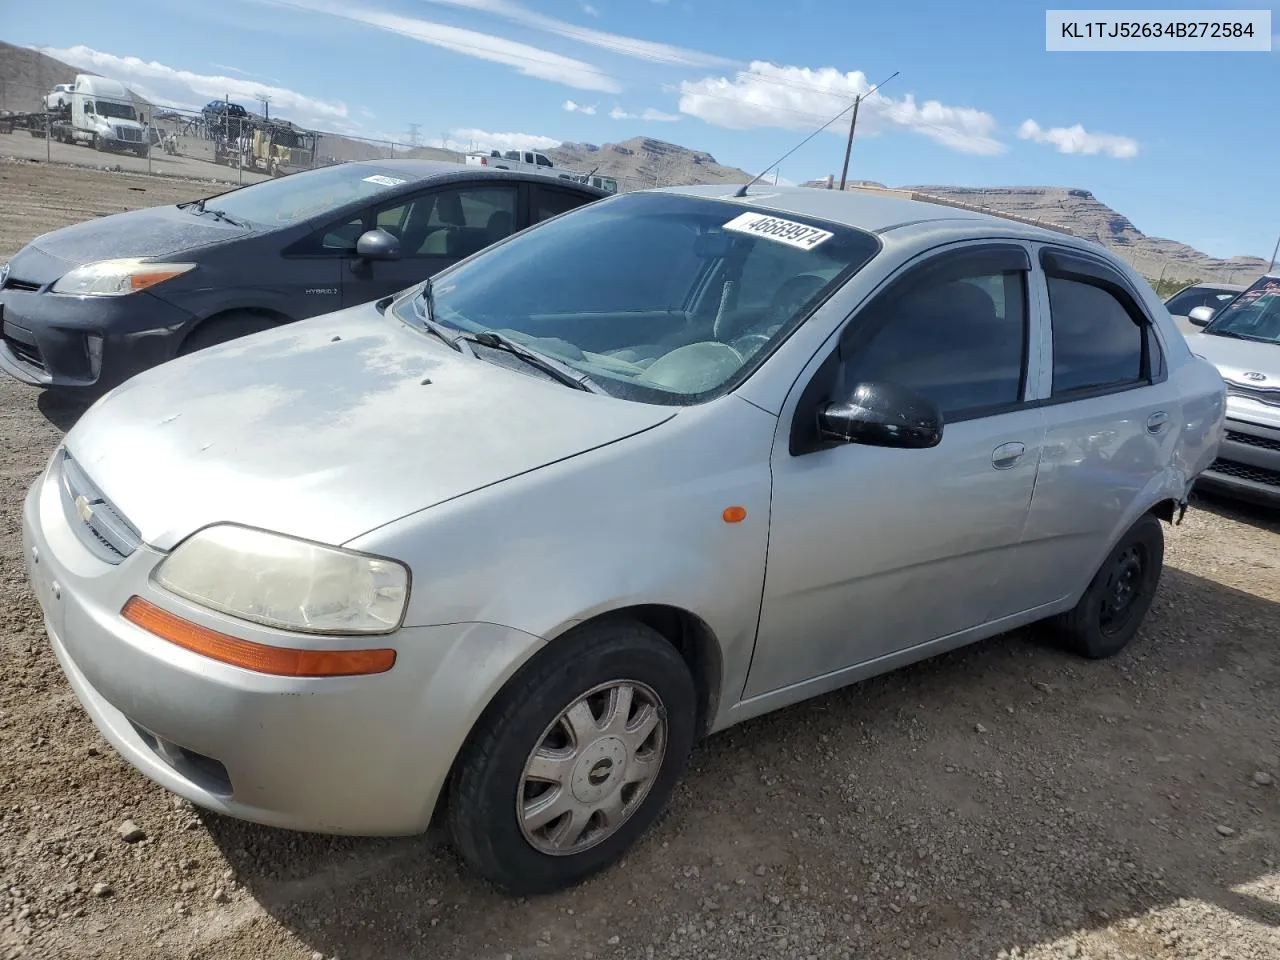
(377,244)
(882,415)
(1200,316)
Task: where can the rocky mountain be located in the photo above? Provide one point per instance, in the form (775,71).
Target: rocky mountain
(644,161)
(1084,215)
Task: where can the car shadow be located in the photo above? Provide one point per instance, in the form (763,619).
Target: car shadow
(62,409)
(1244,511)
(996,796)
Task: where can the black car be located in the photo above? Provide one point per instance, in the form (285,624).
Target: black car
(90,305)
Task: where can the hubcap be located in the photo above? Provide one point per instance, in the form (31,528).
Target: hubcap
(592,768)
(1124,584)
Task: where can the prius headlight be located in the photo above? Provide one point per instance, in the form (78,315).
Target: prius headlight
(282,582)
(115,278)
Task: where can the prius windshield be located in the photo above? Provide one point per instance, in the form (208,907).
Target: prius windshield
(1254,315)
(300,196)
(656,297)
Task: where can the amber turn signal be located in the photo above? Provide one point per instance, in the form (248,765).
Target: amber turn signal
(734,514)
(258,657)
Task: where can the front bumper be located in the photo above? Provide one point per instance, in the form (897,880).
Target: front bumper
(83,342)
(1248,463)
(354,755)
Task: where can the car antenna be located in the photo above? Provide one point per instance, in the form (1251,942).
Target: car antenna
(742,191)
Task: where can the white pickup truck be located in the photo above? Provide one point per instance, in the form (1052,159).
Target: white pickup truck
(527,160)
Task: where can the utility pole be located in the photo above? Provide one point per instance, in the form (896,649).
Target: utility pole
(1274,254)
(848,147)
(265,101)
(853,123)
(413,134)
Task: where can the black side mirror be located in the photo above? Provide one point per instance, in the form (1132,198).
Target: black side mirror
(1201,316)
(883,415)
(377,244)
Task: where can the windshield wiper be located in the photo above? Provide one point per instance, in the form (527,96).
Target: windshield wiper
(424,307)
(221,215)
(559,371)
(197,204)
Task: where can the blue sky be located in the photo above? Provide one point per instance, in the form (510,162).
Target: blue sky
(1184,144)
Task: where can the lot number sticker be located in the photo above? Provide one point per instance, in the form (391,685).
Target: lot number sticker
(385,181)
(789,232)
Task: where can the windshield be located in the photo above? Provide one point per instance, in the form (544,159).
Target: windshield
(656,297)
(1254,315)
(118,111)
(1181,304)
(275,203)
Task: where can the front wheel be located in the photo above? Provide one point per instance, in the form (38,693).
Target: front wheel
(575,758)
(1119,596)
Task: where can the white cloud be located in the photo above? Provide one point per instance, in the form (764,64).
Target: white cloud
(616,43)
(469,138)
(801,98)
(161,83)
(589,10)
(1079,140)
(648,113)
(528,60)
(573,107)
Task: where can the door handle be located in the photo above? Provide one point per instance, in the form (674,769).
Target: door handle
(1007,454)
(1157,421)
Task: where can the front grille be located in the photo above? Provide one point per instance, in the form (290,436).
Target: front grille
(99,525)
(1242,471)
(13,283)
(1270,397)
(128,133)
(27,353)
(1248,438)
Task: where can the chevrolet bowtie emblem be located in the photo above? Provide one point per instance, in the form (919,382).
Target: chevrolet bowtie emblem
(84,508)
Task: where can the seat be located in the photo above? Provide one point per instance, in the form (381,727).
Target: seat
(499,226)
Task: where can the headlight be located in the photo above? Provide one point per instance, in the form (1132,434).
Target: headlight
(282,582)
(115,278)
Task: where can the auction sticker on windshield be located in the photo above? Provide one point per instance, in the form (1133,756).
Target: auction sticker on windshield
(775,228)
(385,181)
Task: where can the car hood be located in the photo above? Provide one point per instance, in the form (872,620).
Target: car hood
(1236,358)
(329,428)
(156,232)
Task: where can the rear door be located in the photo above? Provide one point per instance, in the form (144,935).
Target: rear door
(1112,420)
(436,229)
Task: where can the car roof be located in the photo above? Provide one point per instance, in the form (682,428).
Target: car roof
(874,211)
(419,170)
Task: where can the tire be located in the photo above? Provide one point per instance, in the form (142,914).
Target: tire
(222,329)
(1094,628)
(489,785)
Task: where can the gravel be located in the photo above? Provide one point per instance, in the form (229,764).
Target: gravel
(869,823)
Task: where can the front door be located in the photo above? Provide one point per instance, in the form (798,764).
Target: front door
(436,229)
(874,550)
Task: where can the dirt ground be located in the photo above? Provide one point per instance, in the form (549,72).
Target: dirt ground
(1003,801)
(22,145)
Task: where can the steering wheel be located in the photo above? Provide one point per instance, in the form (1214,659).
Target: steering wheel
(749,344)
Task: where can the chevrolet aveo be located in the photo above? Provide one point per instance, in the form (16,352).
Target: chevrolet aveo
(500,549)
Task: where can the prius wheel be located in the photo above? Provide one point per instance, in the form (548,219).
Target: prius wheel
(575,759)
(223,329)
(1113,607)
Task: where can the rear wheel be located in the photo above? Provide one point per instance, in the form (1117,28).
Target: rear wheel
(575,758)
(222,329)
(1119,596)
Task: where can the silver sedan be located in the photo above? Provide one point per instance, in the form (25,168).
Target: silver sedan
(503,547)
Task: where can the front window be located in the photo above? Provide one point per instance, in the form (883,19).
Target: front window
(300,196)
(117,111)
(656,297)
(1254,315)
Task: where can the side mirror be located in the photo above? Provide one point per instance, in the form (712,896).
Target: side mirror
(883,415)
(377,244)
(1201,315)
